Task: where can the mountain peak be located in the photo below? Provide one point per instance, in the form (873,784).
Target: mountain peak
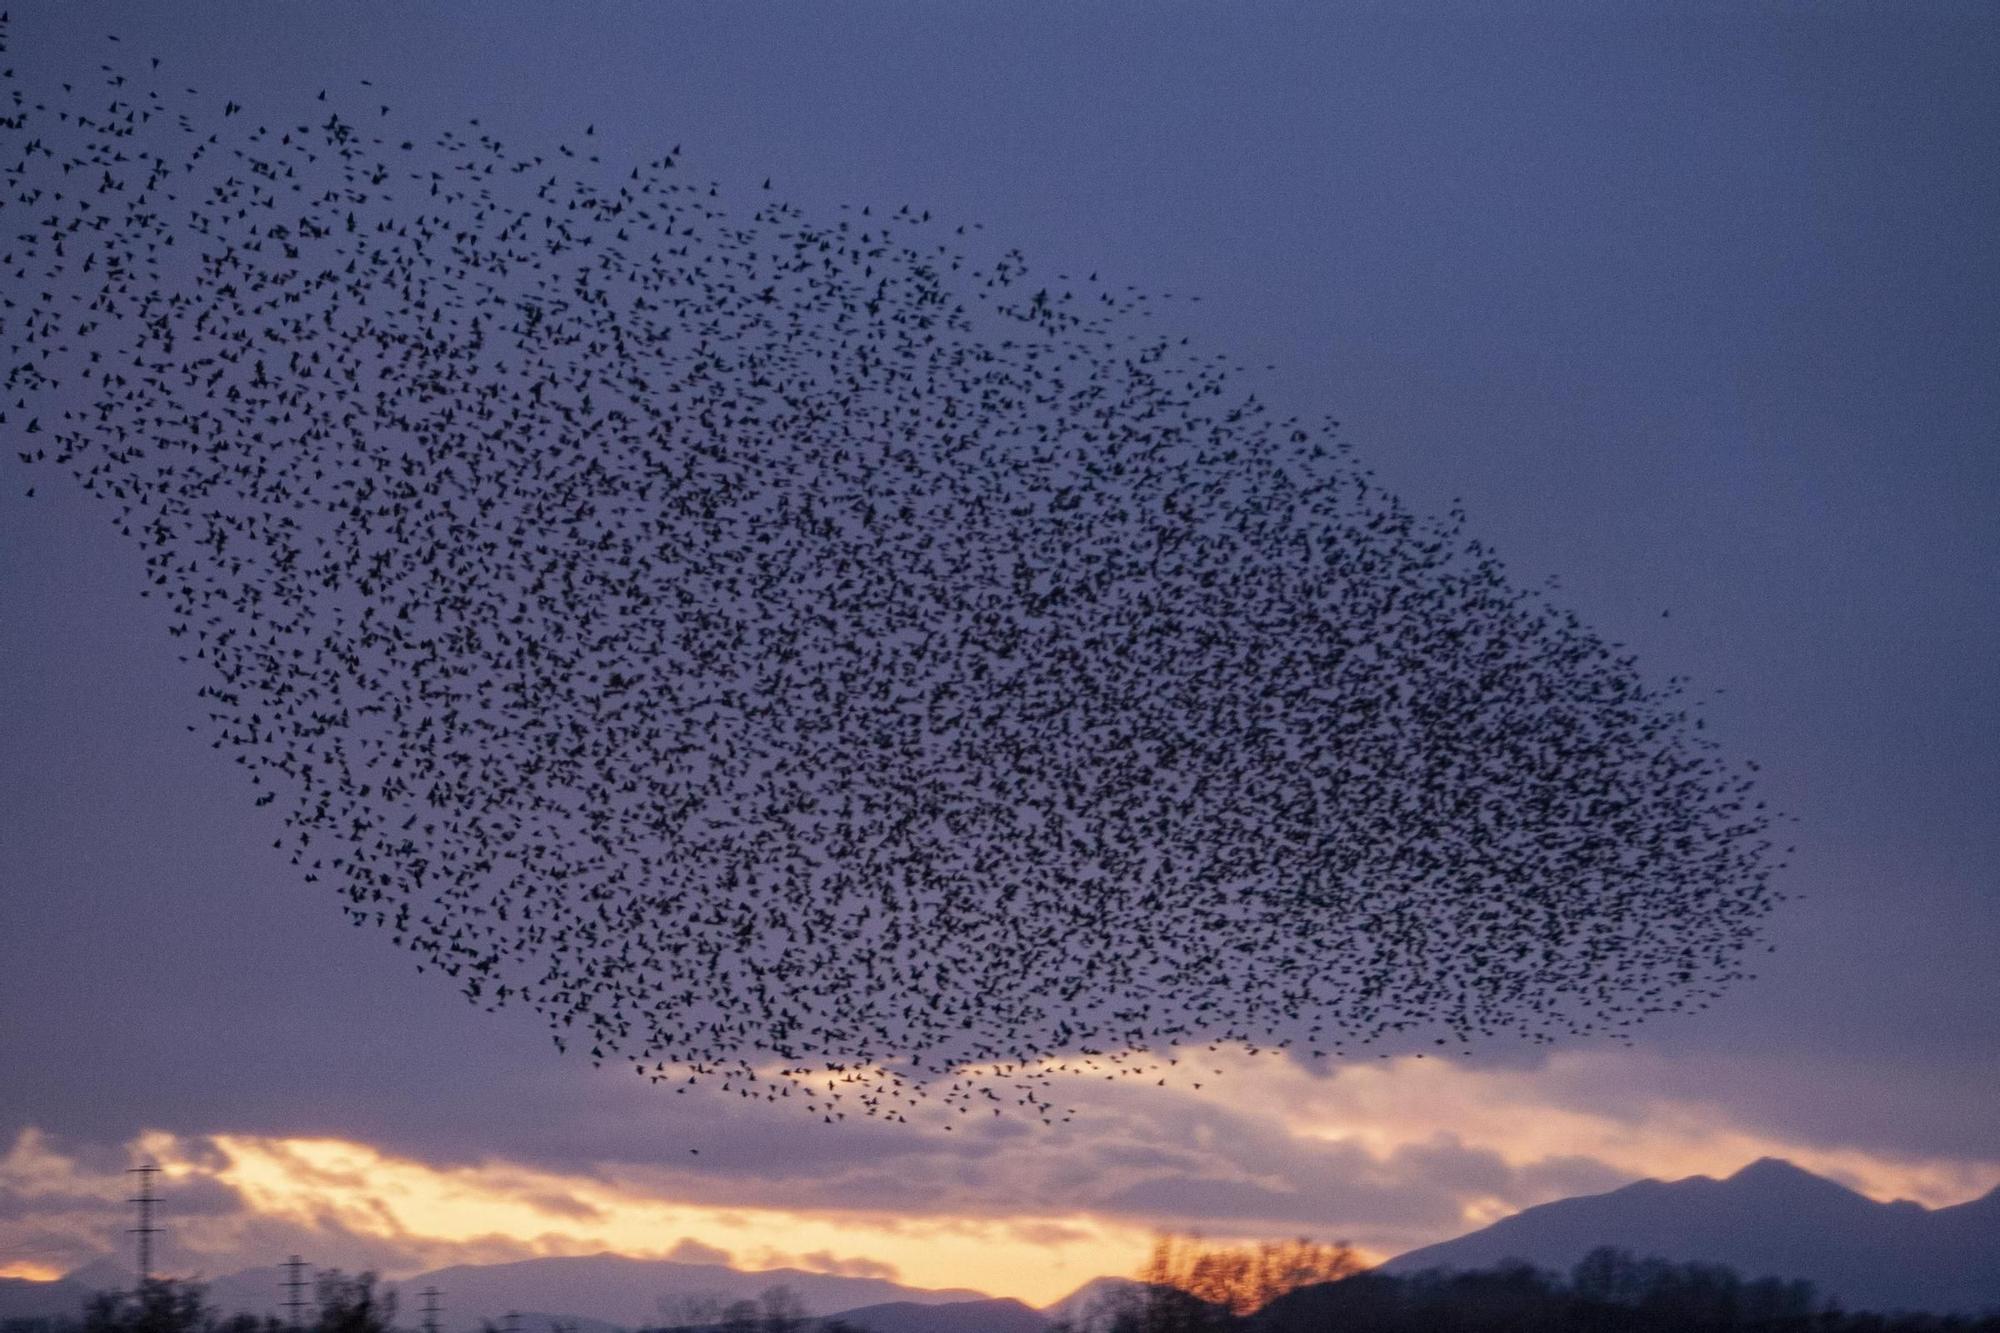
(1775,1175)
(1774,1169)
(1080,1305)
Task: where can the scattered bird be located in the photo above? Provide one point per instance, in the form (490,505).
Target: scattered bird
(786,652)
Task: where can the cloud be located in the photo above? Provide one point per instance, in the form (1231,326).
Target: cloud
(17,1204)
(350,1205)
(206,1196)
(688,1250)
(31,1270)
(1047,1233)
(561,1204)
(60,1210)
(824,1261)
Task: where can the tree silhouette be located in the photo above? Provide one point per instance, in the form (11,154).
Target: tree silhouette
(1188,1286)
(159,1305)
(164,1305)
(776,1309)
(352,1304)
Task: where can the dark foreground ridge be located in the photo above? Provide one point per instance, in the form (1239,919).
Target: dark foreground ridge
(1770,1217)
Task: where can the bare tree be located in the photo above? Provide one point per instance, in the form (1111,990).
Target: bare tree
(353,1304)
(775,1309)
(1192,1287)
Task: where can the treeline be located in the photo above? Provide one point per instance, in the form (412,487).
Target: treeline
(1187,1288)
(342,1304)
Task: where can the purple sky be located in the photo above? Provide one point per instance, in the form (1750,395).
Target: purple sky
(1696,307)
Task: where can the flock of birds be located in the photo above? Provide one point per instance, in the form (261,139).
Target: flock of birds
(784,650)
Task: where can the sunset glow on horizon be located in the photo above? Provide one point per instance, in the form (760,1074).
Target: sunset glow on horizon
(1394,1114)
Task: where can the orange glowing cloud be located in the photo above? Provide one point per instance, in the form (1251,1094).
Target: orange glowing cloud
(27,1268)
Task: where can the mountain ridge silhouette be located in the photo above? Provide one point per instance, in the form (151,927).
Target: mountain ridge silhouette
(1770,1218)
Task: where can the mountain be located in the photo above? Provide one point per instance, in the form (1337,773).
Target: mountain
(598,1293)
(258,1291)
(1089,1306)
(616,1290)
(25,1298)
(106,1274)
(1004,1315)
(1769,1219)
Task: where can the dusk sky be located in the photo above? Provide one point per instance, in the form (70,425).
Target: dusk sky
(1695,309)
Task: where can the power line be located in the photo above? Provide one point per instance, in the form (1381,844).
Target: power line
(145,1231)
(296,1285)
(430,1295)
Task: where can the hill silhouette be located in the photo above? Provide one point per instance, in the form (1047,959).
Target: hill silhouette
(1089,1303)
(1770,1218)
(1003,1315)
(624,1291)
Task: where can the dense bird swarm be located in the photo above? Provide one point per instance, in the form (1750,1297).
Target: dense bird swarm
(782,649)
